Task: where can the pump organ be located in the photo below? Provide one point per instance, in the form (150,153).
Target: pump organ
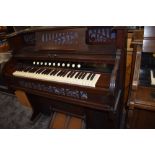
(75,70)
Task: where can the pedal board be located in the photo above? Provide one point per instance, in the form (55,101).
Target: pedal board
(66,121)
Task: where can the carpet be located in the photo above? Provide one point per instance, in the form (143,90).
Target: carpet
(14,115)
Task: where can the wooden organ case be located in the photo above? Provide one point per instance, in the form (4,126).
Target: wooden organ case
(141,104)
(76,71)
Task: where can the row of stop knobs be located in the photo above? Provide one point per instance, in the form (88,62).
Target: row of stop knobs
(54,64)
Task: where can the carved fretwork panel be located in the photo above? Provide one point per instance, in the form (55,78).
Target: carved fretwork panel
(29,38)
(54,89)
(100,35)
(66,39)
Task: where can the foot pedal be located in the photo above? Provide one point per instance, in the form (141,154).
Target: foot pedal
(58,121)
(75,123)
(66,121)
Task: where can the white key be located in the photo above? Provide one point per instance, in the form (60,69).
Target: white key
(78,81)
(48,76)
(34,75)
(65,78)
(39,75)
(85,82)
(54,77)
(73,80)
(152,78)
(25,74)
(94,81)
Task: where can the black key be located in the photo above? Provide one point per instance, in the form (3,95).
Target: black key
(72,74)
(43,71)
(77,75)
(35,69)
(89,76)
(52,72)
(40,70)
(69,74)
(65,73)
(27,68)
(60,73)
(56,72)
(83,76)
(92,77)
(30,70)
(47,71)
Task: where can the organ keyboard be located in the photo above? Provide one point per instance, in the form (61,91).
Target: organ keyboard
(61,69)
(82,78)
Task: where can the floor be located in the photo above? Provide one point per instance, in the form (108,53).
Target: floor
(13,115)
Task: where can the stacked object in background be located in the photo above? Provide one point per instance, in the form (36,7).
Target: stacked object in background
(5,54)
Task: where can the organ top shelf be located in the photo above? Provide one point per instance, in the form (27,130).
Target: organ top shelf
(23,30)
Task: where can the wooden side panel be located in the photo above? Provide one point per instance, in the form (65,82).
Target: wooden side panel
(149,46)
(141,119)
(22,97)
(149,31)
(149,39)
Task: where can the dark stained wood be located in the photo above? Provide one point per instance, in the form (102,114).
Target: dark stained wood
(141,119)
(149,37)
(149,32)
(101,107)
(148,46)
(141,104)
